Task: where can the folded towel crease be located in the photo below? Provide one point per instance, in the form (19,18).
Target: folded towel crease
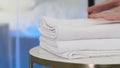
(78,29)
(82,38)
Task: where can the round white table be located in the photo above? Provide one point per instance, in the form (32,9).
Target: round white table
(40,56)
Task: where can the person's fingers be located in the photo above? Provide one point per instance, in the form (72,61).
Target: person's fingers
(101,7)
(96,15)
(112,18)
(104,16)
(112,14)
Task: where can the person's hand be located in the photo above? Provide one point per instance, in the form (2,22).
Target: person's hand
(109,10)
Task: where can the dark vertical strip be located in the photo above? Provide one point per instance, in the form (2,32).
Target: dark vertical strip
(90,3)
(4,52)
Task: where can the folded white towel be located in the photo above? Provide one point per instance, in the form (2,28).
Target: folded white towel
(80,38)
(78,29)
(82,48)
(94,44)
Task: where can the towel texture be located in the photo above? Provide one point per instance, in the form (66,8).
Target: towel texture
(78,29)
(82,38)
(82,48)
(94,44)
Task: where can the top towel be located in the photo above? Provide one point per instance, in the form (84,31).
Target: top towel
(77,29)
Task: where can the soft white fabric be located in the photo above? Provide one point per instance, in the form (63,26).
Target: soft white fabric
(80,38)
(95,44)
(78,29)
(82,48)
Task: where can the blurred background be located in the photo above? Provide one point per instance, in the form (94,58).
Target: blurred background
(19,23)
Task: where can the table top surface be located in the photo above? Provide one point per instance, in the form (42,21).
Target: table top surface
(43,54)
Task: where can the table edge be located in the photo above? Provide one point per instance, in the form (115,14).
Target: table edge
(52,63)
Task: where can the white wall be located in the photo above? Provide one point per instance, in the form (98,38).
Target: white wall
(64,8)
(99,1)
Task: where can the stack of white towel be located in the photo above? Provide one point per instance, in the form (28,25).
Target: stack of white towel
(80,38)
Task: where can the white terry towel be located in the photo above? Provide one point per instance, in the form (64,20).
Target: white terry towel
(82,48)
(78,29)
